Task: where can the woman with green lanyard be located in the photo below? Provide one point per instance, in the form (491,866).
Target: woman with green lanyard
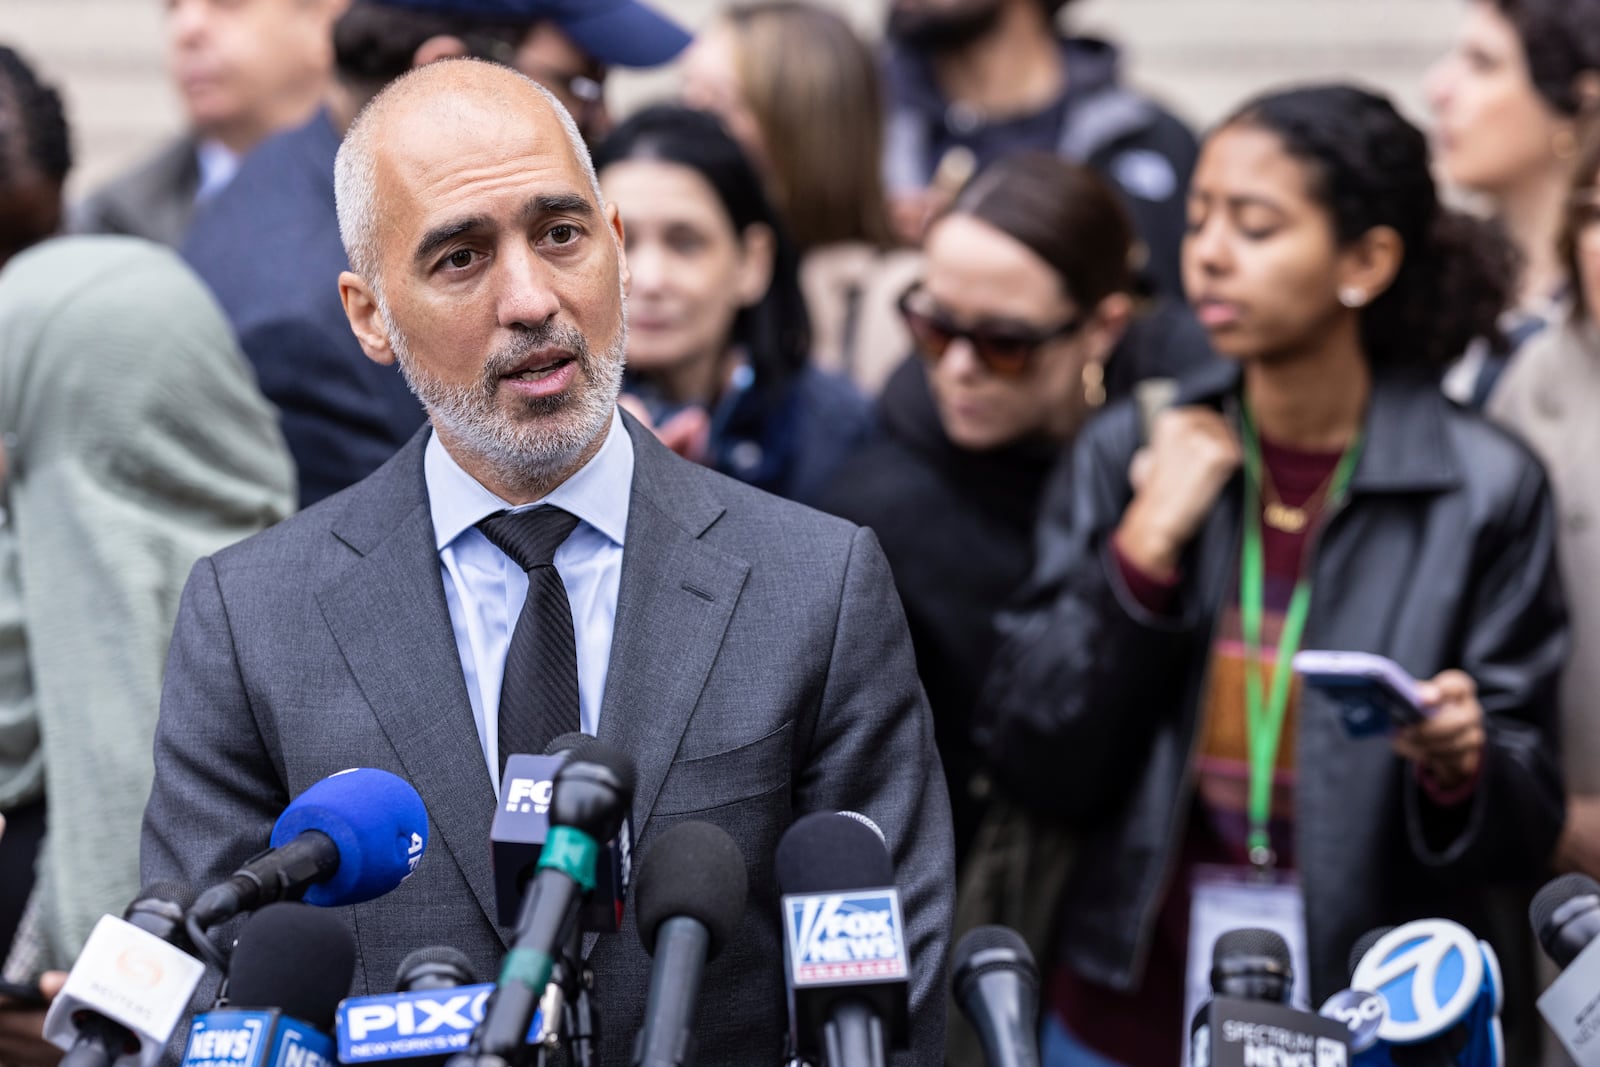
(1317,492)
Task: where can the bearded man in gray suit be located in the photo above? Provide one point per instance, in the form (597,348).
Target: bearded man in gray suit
(750,655)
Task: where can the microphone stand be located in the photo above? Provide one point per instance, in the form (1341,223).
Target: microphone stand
(580,1017)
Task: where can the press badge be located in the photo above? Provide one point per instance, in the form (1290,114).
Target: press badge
(1237,898)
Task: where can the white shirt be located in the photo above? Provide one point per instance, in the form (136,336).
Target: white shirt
(485,589)
(218,164)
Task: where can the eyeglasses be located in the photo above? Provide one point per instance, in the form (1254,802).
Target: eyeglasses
(1005,351)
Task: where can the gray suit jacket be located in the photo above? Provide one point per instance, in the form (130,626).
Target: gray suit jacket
(760,669)
(154,200)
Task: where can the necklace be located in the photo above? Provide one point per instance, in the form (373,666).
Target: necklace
(1286,518)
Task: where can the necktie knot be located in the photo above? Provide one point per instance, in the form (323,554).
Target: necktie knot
(529,537)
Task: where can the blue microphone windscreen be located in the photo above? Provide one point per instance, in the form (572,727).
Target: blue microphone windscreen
(376,820)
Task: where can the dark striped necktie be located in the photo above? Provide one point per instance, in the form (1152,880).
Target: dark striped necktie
(539,692)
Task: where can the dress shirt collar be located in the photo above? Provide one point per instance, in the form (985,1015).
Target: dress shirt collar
(218,164)
(597,494)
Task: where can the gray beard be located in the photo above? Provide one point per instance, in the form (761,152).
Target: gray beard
(554,431)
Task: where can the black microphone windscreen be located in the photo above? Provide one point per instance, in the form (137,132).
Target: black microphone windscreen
(434,959)
(990,948)
(296,958)
(617,762)
(693,870)
(1364,944)
(573,742)
(168,892)
(1543,907)
(826,852)
(1236,944)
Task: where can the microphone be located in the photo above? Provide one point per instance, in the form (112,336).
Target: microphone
(434,967)
(846,964)
(1565,915)
(1248,1018)
(1443,993)
(291,965)
(690,899)
(129,986)
(351,837)
(589,799)
(996,984)
(522,823)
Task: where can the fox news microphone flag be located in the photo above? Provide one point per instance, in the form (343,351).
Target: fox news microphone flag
(847,966)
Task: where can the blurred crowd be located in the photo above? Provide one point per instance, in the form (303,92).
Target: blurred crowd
(1135,411)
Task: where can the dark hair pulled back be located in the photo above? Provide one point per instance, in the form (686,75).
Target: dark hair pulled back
(775,330)
(1369,167)
(33,124)
(1063,213)
(1560,41)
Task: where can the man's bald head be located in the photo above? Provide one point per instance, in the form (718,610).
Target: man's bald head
(442,96)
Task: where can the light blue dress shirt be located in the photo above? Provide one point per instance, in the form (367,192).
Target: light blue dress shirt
(485,589)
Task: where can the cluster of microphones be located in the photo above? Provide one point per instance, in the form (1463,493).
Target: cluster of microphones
(561,848)
(1426,993)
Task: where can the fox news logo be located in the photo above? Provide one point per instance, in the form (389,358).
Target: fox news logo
(529,795)
(845,937)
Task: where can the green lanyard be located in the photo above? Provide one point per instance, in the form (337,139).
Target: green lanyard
(1265,722)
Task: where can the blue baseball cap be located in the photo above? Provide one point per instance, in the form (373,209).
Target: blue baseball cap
(619,33)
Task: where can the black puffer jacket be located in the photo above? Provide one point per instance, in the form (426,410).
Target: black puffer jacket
(1442,557)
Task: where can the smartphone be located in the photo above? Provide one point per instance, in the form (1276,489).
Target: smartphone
(21,996)
(1375,695)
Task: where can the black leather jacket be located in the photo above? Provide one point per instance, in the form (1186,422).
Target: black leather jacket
(1441,557)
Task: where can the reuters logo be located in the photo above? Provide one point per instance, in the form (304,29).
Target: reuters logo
(140,967)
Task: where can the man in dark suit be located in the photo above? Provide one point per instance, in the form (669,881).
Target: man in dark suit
(269,242)
(243,69)
(747,653)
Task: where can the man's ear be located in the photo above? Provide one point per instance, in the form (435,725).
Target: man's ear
(366,321)
(443,46)
(619,233)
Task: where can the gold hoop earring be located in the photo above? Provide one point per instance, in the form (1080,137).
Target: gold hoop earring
(1094,384)
(1564,144)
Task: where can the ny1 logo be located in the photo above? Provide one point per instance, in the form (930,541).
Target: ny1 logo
(529,794)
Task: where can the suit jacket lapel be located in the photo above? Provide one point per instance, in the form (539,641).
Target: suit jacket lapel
(388,615)
(676,597)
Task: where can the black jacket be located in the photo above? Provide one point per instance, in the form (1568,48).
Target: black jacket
(1442,557)
(957,527)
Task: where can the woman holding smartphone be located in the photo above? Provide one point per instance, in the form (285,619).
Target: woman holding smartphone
(1316,492)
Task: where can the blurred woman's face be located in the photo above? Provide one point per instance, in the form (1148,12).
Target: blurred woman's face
(1492,129)
(691,272)
(711,83)
(1261,262)
(1586,203)
(979,278)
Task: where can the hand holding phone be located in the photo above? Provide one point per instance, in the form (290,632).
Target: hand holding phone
(1374,693)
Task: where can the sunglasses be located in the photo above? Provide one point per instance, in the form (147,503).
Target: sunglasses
(1005,351)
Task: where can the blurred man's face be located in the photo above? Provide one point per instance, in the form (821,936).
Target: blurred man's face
(549,57)
(941,25)
(247,68)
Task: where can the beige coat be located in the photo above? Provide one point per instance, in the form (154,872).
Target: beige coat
(1550,395)
(851,291)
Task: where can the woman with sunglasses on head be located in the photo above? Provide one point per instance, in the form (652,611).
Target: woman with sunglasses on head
(718,339)
(1318,492)
(1022,302)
